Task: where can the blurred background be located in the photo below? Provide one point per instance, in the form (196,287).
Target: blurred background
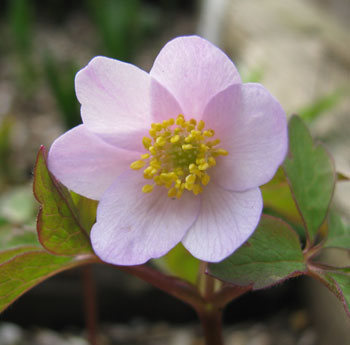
(299,49)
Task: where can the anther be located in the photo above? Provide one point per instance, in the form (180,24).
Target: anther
(160,141)
(137,165)
(200,125)
(147,188)
(175,139)
(146,142)
(178,157)
(187,147)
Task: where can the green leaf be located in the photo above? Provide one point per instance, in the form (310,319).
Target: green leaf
(342,280)
(180,263)
(337,280)
(311,176)
(59,229)
(11,253)
(271,255)
(338,232)
(23,271)
(279,199)
(86,210)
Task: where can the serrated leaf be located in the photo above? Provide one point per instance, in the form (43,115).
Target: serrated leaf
(23,271)
(338,232)
(271,255)
(337,280)
(58,227)
(179,262)
(311,176)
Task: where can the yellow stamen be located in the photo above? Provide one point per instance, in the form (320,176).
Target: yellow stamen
(153,132)
(209,133)
(172,192)
(200,125)
(197,188)
(147,188)
(179,156)
(175,139)
(211,161)
(187,147)
(221,152)
(137,165)
(146,142)
(205,179)
(160,141)
(203,166)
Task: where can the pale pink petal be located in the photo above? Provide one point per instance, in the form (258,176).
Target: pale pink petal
(252,127)
(163,103)
(133,227)
(226,220)
(193,70)
(85,163)
(114,96)
(119,101)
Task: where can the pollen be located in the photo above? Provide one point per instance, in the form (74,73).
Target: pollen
(179,156)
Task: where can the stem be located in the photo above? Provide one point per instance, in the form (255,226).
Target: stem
(209,287)
(201,278)
(227,294)
(173,286)
(210,314)
(211,321)
(204,298)
(89,290)
(310,252)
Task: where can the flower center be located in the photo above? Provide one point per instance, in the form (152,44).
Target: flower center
(180,153)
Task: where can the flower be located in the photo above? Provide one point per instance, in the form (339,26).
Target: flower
(176,155)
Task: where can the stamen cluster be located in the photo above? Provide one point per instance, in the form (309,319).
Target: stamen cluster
(179,154)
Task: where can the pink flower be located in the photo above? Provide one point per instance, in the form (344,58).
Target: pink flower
(176,155)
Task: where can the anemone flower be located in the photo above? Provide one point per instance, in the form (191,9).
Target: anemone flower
(174,155)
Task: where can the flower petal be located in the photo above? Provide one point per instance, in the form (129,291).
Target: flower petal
(85,163)
(252,127)
(120,101)
(163,103)
(133,227)
(193,70)
(226,220)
